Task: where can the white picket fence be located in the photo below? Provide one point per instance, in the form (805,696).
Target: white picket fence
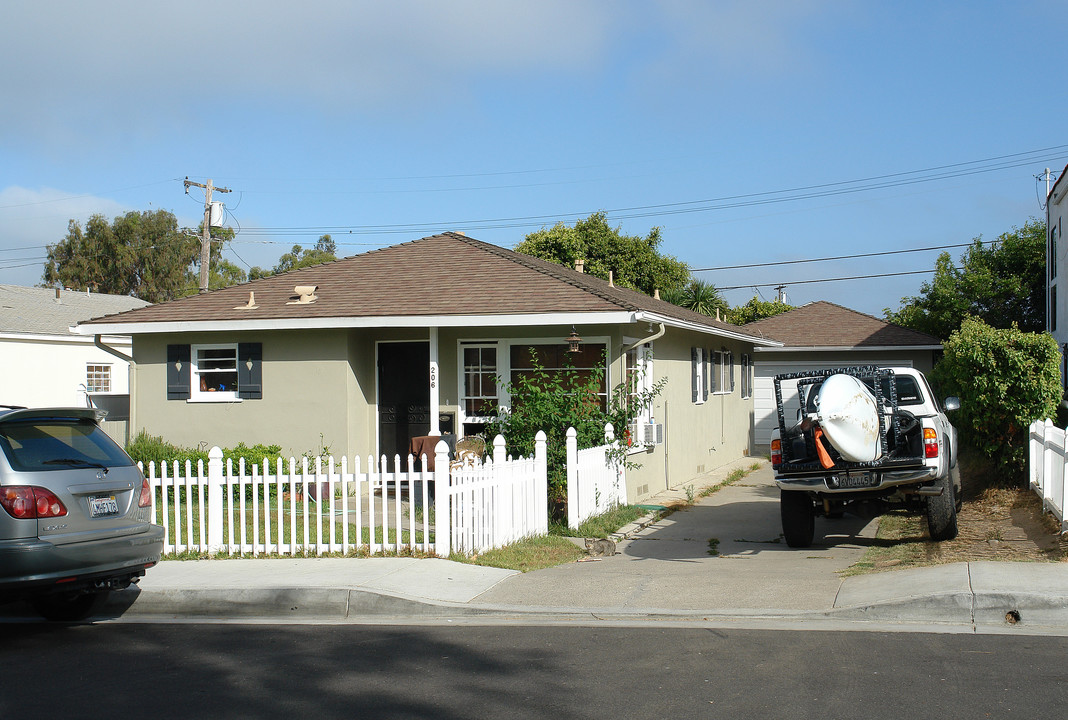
(274,509)
(595,481)
(1047,458)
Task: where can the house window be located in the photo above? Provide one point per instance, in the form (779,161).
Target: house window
(639,378)
(479,397)
(97,378)
(586,363)
(1053,250)
(698,375)
(214,373)
(747,376)
(724,380)
(1053,308)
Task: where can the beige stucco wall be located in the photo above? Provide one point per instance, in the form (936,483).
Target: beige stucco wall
(698,437)
(302,397)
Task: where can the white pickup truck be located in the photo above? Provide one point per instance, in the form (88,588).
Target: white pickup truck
(859,436)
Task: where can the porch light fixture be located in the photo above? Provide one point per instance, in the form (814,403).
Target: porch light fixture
(573,341)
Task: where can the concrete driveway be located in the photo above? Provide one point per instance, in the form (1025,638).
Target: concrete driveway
(724,552)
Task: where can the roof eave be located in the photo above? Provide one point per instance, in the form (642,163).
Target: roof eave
(646,316)
(840,348)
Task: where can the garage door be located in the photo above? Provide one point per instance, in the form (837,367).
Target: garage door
(764,416)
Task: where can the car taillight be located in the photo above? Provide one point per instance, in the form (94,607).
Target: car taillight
(28,503)
(146,494)
(776,452)
(930,442)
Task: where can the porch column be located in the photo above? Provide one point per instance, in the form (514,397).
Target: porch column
(435,381)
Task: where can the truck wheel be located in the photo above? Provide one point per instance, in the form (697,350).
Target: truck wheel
(69,606)
(798,518)
(958,489)
(942,512)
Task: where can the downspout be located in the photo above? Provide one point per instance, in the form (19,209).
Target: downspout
(655,336)
(111,351)
(130,374)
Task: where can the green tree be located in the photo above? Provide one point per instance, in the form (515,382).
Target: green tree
(635,261)
(324,251)
(697,295)
(1002,284)
(1006,379)
(757,309)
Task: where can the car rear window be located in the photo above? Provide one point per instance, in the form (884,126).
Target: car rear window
(908,392)
(58,444)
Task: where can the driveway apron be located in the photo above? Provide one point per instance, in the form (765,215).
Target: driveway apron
(726,551)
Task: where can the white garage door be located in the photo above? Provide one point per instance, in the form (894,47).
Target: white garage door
(764,416)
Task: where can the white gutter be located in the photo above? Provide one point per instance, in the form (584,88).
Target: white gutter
(392,321)
(841,348)
(110,350)
(643,316)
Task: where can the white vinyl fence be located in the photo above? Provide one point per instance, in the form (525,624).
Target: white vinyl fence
(1047,460)
(284,508)
(595,481)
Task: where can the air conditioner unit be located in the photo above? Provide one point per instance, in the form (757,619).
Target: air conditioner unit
(646,434)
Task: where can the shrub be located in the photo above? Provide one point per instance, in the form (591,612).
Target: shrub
(1006,379)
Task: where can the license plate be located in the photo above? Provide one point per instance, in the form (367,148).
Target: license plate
(102,506)
(857,480)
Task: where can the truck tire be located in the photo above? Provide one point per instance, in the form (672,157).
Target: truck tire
(942,512)
(958,489)
(798,518)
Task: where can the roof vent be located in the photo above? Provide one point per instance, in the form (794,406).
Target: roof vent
(656,293)
(251,302)
(611,279)
(305,295)
(579,264)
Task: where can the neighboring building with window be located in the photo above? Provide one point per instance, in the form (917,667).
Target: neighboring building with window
(45,364)
(1056,222)
(426,337)
(825,335)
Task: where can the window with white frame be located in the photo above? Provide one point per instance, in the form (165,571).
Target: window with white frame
(214,371)
(639,378)
(97,378)
(747,376)
(478,397)
(724,381)
(698,375)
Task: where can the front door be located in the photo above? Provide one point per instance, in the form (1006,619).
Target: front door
(403,396)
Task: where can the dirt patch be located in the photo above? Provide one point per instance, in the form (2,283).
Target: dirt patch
(995,523)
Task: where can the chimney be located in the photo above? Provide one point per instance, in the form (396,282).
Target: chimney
(656,293)
(579,264)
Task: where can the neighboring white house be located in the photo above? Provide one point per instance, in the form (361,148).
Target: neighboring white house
(45,364)
(1056,271)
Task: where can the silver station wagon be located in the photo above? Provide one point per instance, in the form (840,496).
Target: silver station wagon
(75,513)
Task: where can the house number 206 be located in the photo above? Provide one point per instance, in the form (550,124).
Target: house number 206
(433,377)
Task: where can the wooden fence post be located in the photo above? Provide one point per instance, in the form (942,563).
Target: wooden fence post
(215,499)
(541,470)
(442,525)
(573,500)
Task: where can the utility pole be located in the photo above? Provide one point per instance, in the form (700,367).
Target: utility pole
(205,237)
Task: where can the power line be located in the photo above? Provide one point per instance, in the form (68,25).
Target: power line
(839,257)
(837,279)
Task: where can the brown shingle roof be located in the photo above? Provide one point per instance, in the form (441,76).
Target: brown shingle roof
(825,324)
(441,275)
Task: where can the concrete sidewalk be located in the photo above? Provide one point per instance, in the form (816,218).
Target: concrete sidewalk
(721,559)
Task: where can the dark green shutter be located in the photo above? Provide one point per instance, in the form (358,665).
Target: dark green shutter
(178,372)
(250,370)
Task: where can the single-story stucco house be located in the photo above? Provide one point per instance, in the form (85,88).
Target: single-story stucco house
(362,354)
(825,335)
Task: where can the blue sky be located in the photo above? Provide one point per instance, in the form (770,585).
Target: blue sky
(384,122)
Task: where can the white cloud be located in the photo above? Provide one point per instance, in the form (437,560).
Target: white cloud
(32,219)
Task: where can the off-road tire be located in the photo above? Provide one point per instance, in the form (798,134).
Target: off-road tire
(942,512)
(64,607)
(958,489)
(798,518)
